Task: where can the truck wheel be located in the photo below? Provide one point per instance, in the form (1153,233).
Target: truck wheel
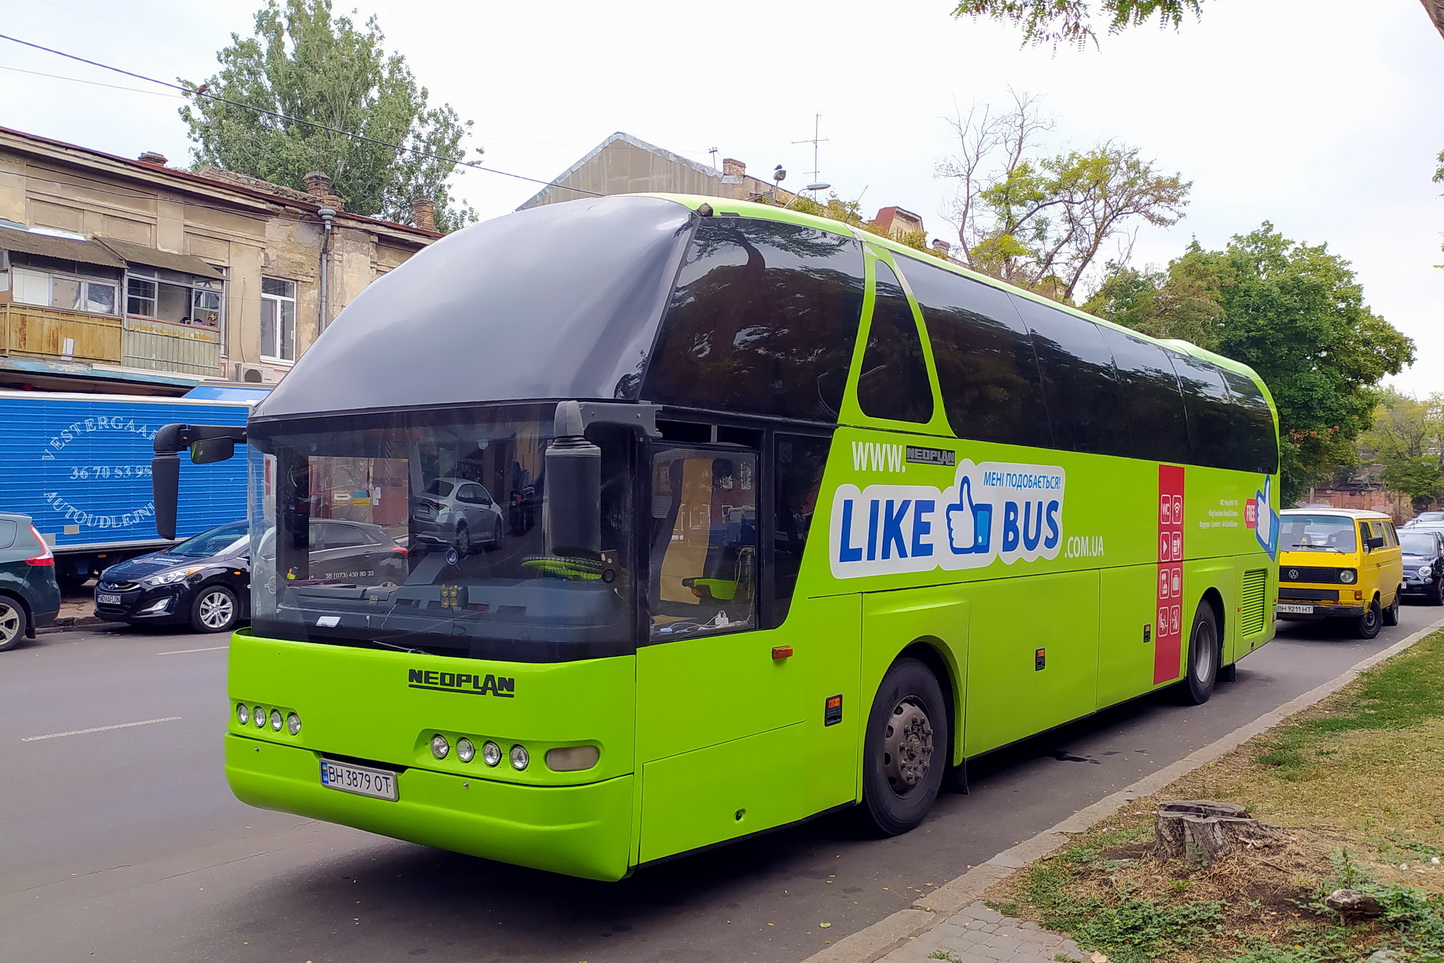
(1203,656)
(13,623)
(1391,614)
(1366,626)
(215,609)
(905,749)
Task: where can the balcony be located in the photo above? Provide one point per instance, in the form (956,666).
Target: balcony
(56,334)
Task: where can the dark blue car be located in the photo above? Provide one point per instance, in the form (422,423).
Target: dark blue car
(1423,563)
(204,581)
(28,593)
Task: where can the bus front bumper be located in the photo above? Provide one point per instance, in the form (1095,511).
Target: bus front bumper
(577,830)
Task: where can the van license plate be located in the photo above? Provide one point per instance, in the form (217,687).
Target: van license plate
(1284,607)
(108,599)
(377,783)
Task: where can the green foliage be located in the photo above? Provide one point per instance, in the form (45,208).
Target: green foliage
(303,64)
(1296,314)
(1040,221)
(1072,21)
(1416,917)
(1407,442)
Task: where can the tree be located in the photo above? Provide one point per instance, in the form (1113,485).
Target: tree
(1293,312)
(286,99)
(1040,222)
(1407,443)
(1071,21)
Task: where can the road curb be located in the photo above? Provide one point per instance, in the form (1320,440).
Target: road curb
(876,941)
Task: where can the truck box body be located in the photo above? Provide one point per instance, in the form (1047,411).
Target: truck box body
(79,464)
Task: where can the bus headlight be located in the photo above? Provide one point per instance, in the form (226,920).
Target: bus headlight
(490,753)
(293,723)
(572,758)
(519,758)
(259,715)
(439,746)
(276,719)
(465,751)
(243,714)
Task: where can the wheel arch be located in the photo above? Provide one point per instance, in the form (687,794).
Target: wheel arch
(940,660)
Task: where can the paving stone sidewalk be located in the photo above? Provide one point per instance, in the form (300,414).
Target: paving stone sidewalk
(978,933)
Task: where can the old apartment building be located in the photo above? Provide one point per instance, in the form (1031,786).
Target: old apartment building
(133,276)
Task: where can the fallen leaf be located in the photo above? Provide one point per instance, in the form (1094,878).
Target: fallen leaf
(824,925)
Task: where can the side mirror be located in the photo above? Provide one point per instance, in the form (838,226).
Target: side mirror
(574,488)
(210,450)
(1373,542)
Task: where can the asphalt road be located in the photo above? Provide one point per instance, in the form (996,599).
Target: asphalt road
(119,840)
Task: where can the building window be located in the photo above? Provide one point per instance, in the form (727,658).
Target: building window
(173,296)
(278,319)
(70,292)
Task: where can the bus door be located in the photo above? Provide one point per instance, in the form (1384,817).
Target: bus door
(721,706)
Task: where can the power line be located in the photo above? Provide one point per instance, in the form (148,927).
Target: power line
(93,83)
(201,92)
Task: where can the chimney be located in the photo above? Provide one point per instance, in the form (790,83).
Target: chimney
(423,213)
(152,157)
(733,168)
(942,247)
(318,185)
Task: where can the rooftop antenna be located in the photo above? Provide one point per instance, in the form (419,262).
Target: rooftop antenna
(814,141)
(713,152)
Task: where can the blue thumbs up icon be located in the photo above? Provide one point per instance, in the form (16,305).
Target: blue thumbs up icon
(970,523)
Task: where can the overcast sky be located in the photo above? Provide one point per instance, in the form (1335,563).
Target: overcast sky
(1324,117)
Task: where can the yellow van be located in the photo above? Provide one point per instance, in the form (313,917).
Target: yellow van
(1339,563)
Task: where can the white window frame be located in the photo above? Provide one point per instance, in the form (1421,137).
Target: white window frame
(281,349)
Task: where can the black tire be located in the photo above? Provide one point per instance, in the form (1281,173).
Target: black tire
(14,623)
(1367,625)
(905,749)
(1205,651)
(462,542)
(495,542)
(1438,597)
(215,609)
(1391,614)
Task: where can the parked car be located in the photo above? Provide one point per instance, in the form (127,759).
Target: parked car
(456,512)
(343,550)
(1338,563)
(1425,518)
(29,595)
(1423,564)
(204,581)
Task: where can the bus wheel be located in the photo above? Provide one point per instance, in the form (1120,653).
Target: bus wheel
(1391,614)
(1203,656)
(1366,626)
(905,749)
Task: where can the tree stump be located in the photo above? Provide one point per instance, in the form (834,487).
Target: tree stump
(1202,831)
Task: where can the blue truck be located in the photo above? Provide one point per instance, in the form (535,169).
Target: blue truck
(79,465)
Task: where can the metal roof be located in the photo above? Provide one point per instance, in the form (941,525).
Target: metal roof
(140,254)
(64,248)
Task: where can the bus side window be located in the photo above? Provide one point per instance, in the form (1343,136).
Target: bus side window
(1079,383)
(894,380)
(1151,396)
(1257,439)
(984,357)
(1211,412)
(704,542)
(797,479)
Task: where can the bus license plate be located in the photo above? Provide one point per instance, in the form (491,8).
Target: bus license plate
(108,599)
(1294,609)
(377,783)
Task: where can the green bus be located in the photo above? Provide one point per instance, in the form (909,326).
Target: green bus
(702,518)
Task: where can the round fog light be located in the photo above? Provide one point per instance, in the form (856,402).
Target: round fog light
(490,753)
(276,719)
(243,714)
(519,757)
(259,715)
(293,723)
(439,746)
(465,751)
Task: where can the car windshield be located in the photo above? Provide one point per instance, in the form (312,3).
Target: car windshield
(378,531)
(1317,533)
(214,542)
(1419,543)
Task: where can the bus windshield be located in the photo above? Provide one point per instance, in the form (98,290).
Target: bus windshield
(425,531)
